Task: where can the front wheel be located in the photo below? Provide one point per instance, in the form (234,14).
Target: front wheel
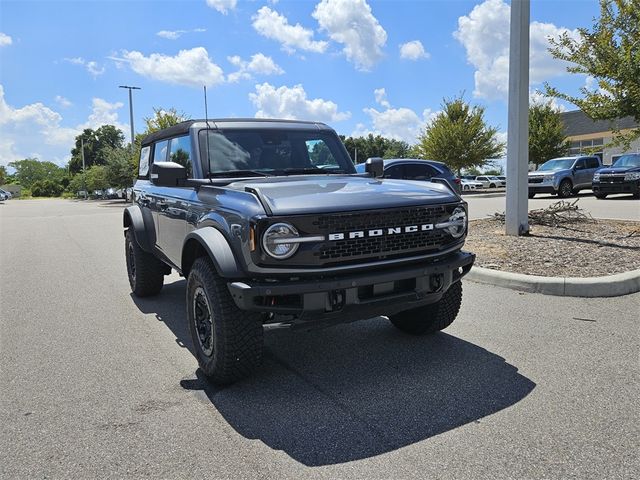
(565,190)
(227,341)
(145,272)
(433,317)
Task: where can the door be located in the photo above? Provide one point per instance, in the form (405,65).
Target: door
(581,174)
(174,203)
(592,165)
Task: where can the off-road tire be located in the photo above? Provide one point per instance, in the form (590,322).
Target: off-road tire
(236,335)
(431,318)
(145,272)
(600,196)
(492,185)
(565,190)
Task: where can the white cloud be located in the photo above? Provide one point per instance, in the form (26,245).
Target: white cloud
(175,34)
(413,50)
(62,101)
(292,103)
(36,130)
(90,65)
(189,67)
(536,97)
(397,123)
(381,97)
(271,24)
(5,40)
(484,33)
(351,23)
(223,6)
(259,64)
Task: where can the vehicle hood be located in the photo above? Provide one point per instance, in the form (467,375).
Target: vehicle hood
(538,173)
(297,195)
(614,170)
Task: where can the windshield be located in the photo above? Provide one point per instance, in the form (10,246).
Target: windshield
(627,161)
(272,152)
(556,164)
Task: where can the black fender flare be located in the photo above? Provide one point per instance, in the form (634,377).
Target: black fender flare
(132,217)
(216,246)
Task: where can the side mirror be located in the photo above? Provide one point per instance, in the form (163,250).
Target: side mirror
(374,166)
(168,174)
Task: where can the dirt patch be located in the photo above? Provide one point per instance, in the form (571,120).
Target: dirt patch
(604,247)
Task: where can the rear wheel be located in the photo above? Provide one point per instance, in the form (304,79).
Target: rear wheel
(431,318)
(227,341)
(600,196)
(145,272)
(565,189)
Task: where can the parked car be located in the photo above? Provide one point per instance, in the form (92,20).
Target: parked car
(564,176)
(470,184)
(416,169)
(4,195)
(489,181)
(266,238)
(621,177)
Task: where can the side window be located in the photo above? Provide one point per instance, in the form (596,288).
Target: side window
(418,172)
(180,152)
(160,151)
(143,167)
(592,163)
(394,172)
(319,154)
(581,164)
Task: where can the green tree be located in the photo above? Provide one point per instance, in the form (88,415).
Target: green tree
(30,170)
(96,178)
(3,175)
(163,119)
(46,188)
(95,143)
(610,53)
(459,137)
(119,167)
(546,133)
(374,146)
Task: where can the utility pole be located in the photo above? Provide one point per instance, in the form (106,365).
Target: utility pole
(517,208)
(131,109)
(84,178)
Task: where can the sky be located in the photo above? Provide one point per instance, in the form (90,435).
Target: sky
(361,66)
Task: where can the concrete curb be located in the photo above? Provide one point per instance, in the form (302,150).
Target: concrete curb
(609,286)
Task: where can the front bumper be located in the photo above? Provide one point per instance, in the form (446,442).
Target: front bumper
(355,296)
(540,188)
(631,186)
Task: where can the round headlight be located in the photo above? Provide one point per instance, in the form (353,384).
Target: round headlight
(274,241)
(628,177)
(596,177)
(457,222)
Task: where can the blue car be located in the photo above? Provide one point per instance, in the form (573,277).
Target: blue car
(417,169)
(621,177)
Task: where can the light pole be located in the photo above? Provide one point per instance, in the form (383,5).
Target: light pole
(517,207)
(130,109)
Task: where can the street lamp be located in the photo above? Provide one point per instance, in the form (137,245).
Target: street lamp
(130,108)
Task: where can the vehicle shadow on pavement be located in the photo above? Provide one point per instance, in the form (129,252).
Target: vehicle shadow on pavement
(353,391)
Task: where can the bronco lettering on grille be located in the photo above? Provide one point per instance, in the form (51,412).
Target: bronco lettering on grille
(379,232)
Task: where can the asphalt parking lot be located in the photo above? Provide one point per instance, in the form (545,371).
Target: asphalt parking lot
(97,384)
(621,207)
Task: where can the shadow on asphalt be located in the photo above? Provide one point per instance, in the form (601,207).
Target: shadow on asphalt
(353,391)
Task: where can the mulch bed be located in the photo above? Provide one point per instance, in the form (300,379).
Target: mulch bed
(604,247)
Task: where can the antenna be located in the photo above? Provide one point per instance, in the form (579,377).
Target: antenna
(206,119)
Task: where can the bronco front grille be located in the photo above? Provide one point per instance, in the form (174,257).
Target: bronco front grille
(611,178)
(382,245)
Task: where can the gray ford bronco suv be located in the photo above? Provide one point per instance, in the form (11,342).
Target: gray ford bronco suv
(272,227)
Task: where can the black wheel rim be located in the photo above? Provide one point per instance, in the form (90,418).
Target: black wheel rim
(203,321)
(131,261)
(566,189)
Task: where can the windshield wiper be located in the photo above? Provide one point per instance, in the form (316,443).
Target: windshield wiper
(309,170)
(238,173)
